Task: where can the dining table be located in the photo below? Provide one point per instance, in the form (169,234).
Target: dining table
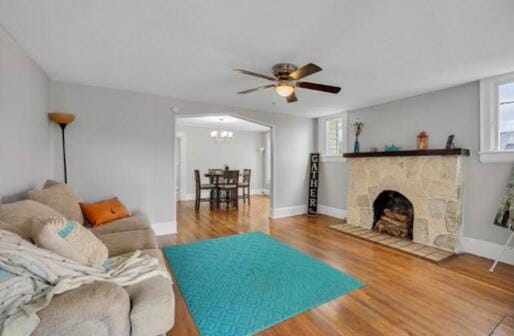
(214,177)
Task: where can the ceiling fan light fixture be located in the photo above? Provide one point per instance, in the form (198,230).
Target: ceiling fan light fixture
(284,88)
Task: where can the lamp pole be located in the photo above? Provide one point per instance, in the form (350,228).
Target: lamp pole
(62,119)
(63,126)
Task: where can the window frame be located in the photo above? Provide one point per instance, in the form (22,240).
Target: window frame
(322,126)
(267,158)
(489,120)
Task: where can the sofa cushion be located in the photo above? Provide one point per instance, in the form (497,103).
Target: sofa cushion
(50,183)
(153,303)
(70,239)
(99,308)
(61,198)
(104,211)
(138,221)
(124,242)
(11,228)
(20,215)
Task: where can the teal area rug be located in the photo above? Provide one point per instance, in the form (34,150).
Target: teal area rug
(242,284)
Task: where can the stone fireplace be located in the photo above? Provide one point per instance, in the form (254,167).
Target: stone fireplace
(417,196)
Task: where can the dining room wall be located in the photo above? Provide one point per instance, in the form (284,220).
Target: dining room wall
(202,153)
(292,142)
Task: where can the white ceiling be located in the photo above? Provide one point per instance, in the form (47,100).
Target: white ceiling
(226,121)
(376,50)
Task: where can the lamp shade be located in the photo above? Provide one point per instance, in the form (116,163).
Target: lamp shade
(61,118)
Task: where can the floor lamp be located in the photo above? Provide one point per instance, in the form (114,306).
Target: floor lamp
(62,119)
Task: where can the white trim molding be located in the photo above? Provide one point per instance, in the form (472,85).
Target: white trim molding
(165,228)
(489,122)
(487,249)
(182,136)
(496,156)
(332,212)
(288,211)
(332,158)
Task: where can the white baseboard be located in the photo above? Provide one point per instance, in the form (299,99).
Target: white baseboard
(191,196)
(288,211)
(487,249)
(165,228)
(259,192)
(332,212)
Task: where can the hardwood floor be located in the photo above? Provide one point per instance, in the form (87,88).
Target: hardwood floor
(403,294)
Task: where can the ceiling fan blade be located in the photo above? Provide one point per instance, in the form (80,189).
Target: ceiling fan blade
(305,71)
(292,98)
(246,72)
(257,89)
(318,87)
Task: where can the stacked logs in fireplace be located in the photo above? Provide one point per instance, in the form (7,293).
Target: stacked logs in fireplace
(395,223)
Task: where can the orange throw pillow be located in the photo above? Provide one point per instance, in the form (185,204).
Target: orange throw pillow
(104,211)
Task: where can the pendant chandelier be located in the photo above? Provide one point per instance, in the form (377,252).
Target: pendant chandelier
(221,135)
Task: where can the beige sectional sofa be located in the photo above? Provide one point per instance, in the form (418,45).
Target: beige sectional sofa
(144,309)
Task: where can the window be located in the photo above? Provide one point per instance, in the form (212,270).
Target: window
(332,136)
(497,119)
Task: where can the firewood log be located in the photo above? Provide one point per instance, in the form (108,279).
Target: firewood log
(394,222)
(395,215)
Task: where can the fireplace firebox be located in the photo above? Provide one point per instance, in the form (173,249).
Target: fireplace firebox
(393,214)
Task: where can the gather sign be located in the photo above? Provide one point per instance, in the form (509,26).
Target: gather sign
(312,203)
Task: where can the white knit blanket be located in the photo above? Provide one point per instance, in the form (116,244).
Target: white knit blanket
(30,276)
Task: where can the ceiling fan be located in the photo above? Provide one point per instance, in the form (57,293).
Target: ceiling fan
(287,79)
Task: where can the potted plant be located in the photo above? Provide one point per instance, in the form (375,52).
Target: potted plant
(357,128)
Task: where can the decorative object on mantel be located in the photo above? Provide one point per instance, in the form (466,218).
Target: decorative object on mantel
(505,216)
(422,141)
(373,149)
(62,119)
(449,142)
(428,152)
(357,127)
(392,148)
(221,135)
(312,204)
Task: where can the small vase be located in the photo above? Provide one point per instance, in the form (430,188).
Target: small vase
(356,146)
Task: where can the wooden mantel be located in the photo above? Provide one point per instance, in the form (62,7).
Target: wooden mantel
(426,152)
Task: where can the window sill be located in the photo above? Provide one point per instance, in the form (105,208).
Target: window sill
(332,158)
(496,156)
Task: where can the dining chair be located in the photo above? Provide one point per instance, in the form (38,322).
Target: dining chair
(229,188)
(198,191)
(245,185)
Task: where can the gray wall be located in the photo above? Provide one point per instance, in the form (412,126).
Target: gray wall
(121,144)
(24,126)
(450,111)
(202,153)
